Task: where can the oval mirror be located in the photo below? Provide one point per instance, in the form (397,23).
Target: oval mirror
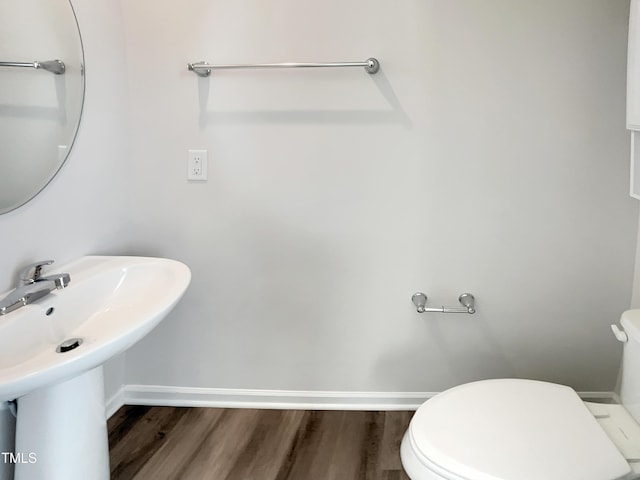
(41,94)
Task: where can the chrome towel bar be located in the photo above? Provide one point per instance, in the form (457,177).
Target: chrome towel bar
(466,300)
(54,66)
(203,69)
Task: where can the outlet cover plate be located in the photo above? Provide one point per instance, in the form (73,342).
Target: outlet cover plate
(197,165)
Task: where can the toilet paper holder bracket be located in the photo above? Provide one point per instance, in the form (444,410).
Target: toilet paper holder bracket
(467,300)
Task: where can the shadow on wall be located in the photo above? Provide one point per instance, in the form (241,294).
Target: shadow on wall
(394,115)
(448,350)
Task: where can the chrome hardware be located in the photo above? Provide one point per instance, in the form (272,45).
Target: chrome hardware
(69,344)
(467,301)
(419,300)
(373,65)
(203,69)
(54,66)
(32,272)
(32,286)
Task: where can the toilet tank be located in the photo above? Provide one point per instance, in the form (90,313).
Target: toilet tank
(630,379)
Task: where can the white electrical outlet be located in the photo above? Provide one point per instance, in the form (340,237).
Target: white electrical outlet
(197,165)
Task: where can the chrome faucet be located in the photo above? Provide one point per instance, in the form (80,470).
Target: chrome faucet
(32,286)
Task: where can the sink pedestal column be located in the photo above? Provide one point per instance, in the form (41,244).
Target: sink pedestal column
(7,441)
(61,431)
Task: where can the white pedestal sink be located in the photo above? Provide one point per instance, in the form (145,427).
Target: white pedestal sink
(110,304)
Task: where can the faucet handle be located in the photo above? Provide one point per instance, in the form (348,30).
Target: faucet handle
(32,272)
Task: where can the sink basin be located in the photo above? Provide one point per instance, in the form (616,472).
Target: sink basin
(110,304)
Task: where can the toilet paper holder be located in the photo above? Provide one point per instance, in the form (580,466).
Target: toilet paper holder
(467,301)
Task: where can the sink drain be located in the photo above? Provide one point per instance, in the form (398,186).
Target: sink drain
(69,344)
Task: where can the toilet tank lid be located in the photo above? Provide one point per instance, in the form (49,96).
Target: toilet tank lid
(630,321)
(516,429)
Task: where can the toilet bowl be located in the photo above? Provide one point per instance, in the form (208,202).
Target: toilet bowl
(516,429)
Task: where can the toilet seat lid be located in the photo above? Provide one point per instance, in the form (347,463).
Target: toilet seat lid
(516,430)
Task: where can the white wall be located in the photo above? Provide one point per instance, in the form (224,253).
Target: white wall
(489,155)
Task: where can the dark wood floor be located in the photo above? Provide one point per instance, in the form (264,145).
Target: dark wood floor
(166,443)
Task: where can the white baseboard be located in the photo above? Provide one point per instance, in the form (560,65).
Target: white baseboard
(169,396)
(279,399)
(115,402)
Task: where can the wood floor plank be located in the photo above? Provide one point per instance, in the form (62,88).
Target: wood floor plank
(312,449)
(373,445)
(132,447)
(163,443)
(353,455)
(218,452)
(394,475)
(124,420)
(269,445)
(395,425)
(182,445)
(329,447)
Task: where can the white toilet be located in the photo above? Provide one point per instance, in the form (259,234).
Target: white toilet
(509,429)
